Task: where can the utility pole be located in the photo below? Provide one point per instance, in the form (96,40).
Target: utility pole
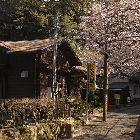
(55,56)
(105,83)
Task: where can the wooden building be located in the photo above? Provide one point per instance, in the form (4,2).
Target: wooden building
(26,68)
(134,85)
(118,92)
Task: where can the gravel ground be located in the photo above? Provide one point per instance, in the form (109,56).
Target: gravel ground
(122,124)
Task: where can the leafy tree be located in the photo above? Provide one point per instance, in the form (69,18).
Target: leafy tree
(34,19)
(21,20)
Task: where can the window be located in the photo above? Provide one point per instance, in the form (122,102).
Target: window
(136,89)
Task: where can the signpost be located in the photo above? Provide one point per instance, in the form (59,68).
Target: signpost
(92,76)
(91,82)
(117,98)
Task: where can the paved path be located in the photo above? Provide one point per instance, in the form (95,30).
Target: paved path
(122,124)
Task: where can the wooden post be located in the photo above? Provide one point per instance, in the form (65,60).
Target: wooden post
(87,97)
(105,85)
(69,131)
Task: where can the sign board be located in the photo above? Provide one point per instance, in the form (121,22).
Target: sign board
(128,99)
(117,96)
(91,76)
(24,74)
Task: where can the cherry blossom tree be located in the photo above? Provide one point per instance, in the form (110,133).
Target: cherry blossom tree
(112,27)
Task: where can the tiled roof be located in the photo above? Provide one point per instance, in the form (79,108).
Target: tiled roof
(135,76)
(79,70)
(35,45)
(118,85)
(28,45)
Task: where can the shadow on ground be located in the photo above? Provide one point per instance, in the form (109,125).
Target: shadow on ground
(136,133)
(126,109)
(92,137)
(131,113)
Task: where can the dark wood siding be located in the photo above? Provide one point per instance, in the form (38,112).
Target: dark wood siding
(39,69)
(21,86)
(3,58)
(63,72)
(4,67)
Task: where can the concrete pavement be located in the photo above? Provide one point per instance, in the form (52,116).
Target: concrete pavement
(122,124)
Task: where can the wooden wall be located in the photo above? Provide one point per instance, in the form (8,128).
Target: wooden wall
(69,85)
(21,86)
(63,72)
(3,74)
(39,74)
